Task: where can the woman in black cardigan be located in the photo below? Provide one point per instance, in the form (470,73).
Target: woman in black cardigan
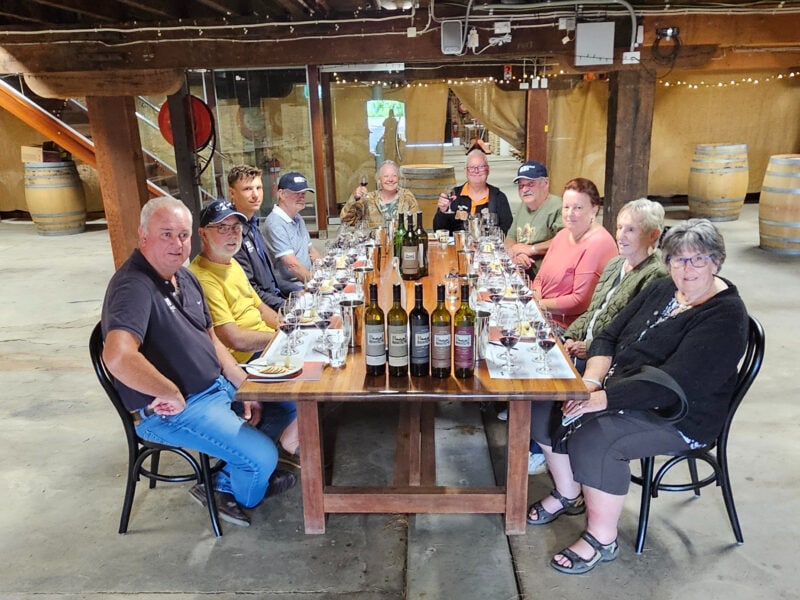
(691,326)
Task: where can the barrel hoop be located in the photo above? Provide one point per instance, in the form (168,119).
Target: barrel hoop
(783,173)
(790,160)
(51,215)
(719,170)
(777,190)
(779,223)
(721,148)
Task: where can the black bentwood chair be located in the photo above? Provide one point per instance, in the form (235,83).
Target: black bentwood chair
(140,450)
(718,461)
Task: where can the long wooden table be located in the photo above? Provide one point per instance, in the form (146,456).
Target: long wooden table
(414,488)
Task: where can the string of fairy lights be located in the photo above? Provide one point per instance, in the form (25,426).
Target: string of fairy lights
(539,81)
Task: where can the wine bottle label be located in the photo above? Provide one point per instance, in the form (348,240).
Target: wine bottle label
(398,345)
(464,340)
(440,347)
(410,265)
(420,345)
(376,345)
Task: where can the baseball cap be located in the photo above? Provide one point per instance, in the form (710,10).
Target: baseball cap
(530,170)
(294,182)
(218,211)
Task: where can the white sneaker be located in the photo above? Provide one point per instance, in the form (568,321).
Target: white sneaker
(503,415)
(536,464)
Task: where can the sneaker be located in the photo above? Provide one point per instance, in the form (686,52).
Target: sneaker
(536,464)
(227,507)
(279,482)
(503,415)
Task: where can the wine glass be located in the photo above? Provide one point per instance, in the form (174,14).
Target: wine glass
(496,287)
(546,341)
(508,321)
(325,311)
(451,194)
(452,291)
(288,323)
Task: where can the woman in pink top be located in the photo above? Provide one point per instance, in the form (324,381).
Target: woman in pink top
(576,257)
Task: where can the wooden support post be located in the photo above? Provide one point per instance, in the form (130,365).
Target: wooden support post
(536,126)
(631,96)
(327,128)
(120,166)
(317,144)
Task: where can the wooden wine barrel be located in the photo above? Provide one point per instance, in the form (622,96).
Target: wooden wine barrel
(54,194)
(426,182)
(718,181)
(779,206)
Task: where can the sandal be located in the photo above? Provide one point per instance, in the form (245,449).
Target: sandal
(571,506)
(602,553)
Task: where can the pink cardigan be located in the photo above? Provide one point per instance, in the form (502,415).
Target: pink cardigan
(570,272)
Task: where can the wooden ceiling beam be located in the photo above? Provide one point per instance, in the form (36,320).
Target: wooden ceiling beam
(165,9)
(265,47)
(107,12)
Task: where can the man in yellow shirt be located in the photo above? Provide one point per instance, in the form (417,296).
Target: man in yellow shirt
(242,322)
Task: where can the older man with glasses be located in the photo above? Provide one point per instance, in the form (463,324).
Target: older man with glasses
(242,322)
(472,198)
(538,218)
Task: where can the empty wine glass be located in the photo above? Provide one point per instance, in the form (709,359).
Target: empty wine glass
(496,287)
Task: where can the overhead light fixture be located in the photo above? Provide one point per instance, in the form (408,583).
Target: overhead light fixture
(353,68)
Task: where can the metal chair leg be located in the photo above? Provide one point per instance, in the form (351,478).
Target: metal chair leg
(644,508)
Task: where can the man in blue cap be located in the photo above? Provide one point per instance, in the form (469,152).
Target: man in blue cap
(288,242)
(538,218)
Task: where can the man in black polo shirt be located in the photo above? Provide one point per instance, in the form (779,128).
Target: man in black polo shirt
(246,192)
(170,367)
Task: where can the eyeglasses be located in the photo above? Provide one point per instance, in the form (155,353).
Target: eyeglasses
(698,262)
(225,228)
(479,169)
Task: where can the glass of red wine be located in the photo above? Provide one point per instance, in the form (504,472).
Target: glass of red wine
(546,341)
(508,321)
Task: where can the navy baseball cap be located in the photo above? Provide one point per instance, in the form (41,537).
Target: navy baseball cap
(218,211)
(294,182)
(531,170)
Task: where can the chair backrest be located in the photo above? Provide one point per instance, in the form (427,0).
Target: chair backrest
(107,381)
(748,369)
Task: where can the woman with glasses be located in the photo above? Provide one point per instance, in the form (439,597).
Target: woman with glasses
(660,377)
(470,198)
(379,206)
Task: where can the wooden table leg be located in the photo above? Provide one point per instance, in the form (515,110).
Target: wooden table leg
(427,447)
(519,434)
(311,479)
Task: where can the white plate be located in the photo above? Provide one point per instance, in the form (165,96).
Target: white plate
(255,371)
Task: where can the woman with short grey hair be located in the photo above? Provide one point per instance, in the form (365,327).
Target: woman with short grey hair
(660,378)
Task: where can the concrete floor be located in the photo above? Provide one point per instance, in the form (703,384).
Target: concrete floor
(65,459)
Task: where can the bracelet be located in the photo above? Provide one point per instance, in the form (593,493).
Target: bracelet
(533,250)
(598,383)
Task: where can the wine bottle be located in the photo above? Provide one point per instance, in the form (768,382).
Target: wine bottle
(398,336)
(399,233)
(420,343)
(422,243)
(441,336)
(409,261)
(375,334)
(464,337)
(396,278)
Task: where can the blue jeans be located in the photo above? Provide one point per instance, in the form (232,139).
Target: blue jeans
(275,417)
(208,424)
